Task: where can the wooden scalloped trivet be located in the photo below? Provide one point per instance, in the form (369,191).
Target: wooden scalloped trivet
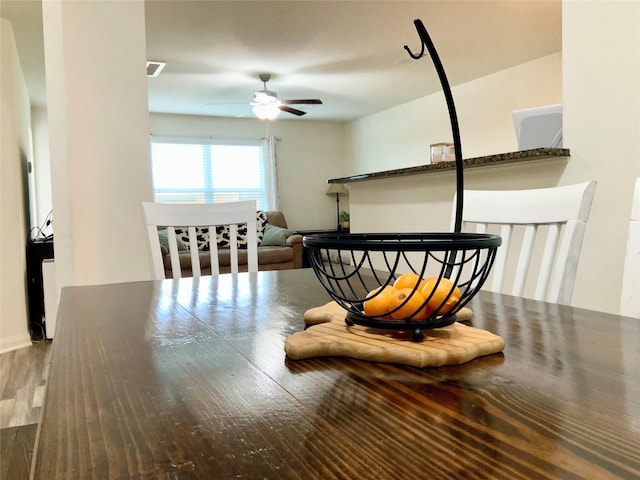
(328,336)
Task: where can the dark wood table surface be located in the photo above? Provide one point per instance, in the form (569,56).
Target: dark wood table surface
(188,379)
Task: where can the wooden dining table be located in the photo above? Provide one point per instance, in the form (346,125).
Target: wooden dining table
(188,379)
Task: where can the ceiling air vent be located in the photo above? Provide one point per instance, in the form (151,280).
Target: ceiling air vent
(154,68)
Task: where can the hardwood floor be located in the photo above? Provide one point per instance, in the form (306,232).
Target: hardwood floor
(23,375)
(16,450)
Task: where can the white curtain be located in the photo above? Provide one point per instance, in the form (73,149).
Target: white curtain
(271,172)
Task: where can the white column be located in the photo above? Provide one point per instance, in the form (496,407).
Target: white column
(601,96)
(14,154)
(99,139)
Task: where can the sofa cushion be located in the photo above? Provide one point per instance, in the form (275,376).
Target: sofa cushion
(276,217)
(273,254)
(266,256)
(223,235)
(185,261)
(164,240)
(275,236)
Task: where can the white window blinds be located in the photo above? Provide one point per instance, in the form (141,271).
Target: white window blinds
(209,171)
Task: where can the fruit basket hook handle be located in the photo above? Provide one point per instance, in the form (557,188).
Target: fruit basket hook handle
(455,130)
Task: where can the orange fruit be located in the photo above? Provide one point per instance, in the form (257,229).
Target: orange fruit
(413,309)
(445,288)
(408,280)
(377,304)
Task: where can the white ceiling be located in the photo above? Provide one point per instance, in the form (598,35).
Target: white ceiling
(348,53)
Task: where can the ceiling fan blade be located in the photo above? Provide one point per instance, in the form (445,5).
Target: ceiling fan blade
(225,103)
(292,110)
(312,101)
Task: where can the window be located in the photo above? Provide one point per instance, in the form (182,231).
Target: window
(207,171)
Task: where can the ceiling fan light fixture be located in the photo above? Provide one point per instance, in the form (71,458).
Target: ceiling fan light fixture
(266,111)
(265,96)
(267,106)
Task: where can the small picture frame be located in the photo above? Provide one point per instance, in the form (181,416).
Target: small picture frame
(442,152)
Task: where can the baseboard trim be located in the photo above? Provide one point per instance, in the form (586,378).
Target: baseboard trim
(13,343)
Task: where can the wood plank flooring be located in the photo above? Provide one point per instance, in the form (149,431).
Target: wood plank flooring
(16,451)
(23,375)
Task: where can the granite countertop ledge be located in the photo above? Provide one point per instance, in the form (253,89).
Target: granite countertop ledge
(497,159)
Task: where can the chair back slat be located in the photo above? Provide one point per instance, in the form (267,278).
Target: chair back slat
(519,215)
(193,250)
(233,240)
(547,262)
(213,256)
(630,295)
(524,259)
(500,263)
(481,228)
(229,214)
(156,252)
(173,252)
(252,239)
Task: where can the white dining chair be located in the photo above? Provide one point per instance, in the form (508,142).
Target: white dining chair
(547,223)
(192,215)
(630,297)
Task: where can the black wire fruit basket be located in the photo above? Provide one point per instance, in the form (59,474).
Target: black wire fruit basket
(444,270)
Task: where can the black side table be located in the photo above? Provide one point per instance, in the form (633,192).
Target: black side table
(37,251)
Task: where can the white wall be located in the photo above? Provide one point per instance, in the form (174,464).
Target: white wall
(98,132)
(14,155)
(308,153)
(601,75)
(401,136)
(597,81)
(41,169)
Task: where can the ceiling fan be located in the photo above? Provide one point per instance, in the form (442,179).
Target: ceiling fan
(267,106)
